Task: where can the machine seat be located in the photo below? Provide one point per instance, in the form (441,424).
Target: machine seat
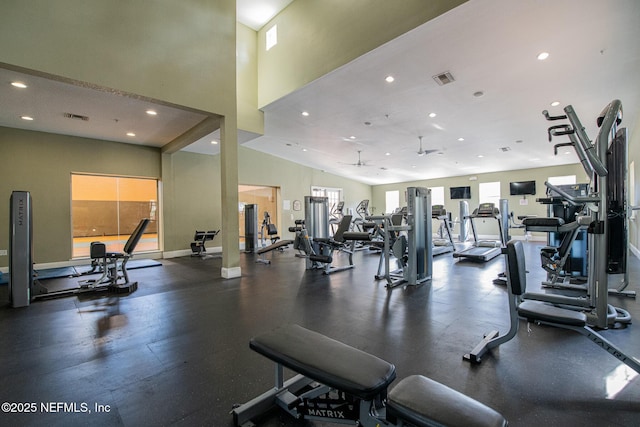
(543,224)
(541,311)
(424,402)
(326,360)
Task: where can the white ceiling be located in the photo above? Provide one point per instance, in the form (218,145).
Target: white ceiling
(488,46)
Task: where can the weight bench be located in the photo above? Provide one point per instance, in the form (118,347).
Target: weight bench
(272,247)
(341,384)
(199,239)
(539,312)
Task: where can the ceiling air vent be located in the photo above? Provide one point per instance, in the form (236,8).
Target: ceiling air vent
(444,78)
(76,117)
(504,149)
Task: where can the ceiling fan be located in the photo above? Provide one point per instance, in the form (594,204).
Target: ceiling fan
(422,152)
(360,162)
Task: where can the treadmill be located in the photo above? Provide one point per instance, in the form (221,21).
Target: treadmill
(444,244)
(483,250)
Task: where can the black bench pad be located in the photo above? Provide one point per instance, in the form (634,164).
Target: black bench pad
(538,310)
(424,402)
(356,235)
(326,360)
(274,246)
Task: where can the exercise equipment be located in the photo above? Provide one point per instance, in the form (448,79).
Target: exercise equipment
(484,250)
(337,383)
(565,256)
(363,212)
(250,227)
(268,230)
(21,281)
(278,245)
(409,243)
(316,226)
(335,216)
(200,238)
(540,313)
(342,241)
(112,264)
(605,161)
(444,243)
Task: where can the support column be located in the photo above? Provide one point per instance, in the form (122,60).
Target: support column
(229,202)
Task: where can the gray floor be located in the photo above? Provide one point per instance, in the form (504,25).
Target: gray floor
(176,351)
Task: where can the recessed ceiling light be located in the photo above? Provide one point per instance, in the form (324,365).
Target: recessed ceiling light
(131,134)
(304,149)
(387,154)
(389,79)
(460,139)
(19,85)
(26,118)
(555,103)
(152,112)
(432,115)
(480,156)
(567,152)
(214,142)
(352,137)
(305,113)
(543,55)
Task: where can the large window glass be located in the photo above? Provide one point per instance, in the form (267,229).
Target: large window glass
(392,201)
(108,209)
(489,192)
(562,180)
(437,195)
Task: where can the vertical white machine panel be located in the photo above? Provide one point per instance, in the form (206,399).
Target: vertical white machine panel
(20,249)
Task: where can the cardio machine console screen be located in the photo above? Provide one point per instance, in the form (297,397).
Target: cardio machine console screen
(486,209)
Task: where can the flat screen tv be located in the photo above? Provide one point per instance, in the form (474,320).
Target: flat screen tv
(522,188)
(460,192)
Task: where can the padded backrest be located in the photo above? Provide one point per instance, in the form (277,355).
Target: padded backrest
(516,269)
(135,236)
(272,229)
(345,223)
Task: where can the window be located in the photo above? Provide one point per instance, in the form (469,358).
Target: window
(562,180)
(392,201)
(489,192)
(333,194)
(437,196)
(108,209)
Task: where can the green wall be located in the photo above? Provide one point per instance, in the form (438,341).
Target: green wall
(316,37)
(249,117)
(42,163)
(181,52)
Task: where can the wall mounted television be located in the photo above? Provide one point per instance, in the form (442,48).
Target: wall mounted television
(460,193)
(522,188)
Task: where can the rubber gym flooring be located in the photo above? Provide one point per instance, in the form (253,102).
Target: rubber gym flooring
(175,353)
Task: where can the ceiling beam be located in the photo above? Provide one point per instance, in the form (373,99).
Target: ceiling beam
(202,129)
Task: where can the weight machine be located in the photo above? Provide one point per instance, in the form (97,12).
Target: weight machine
(606,219)
(409,243)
